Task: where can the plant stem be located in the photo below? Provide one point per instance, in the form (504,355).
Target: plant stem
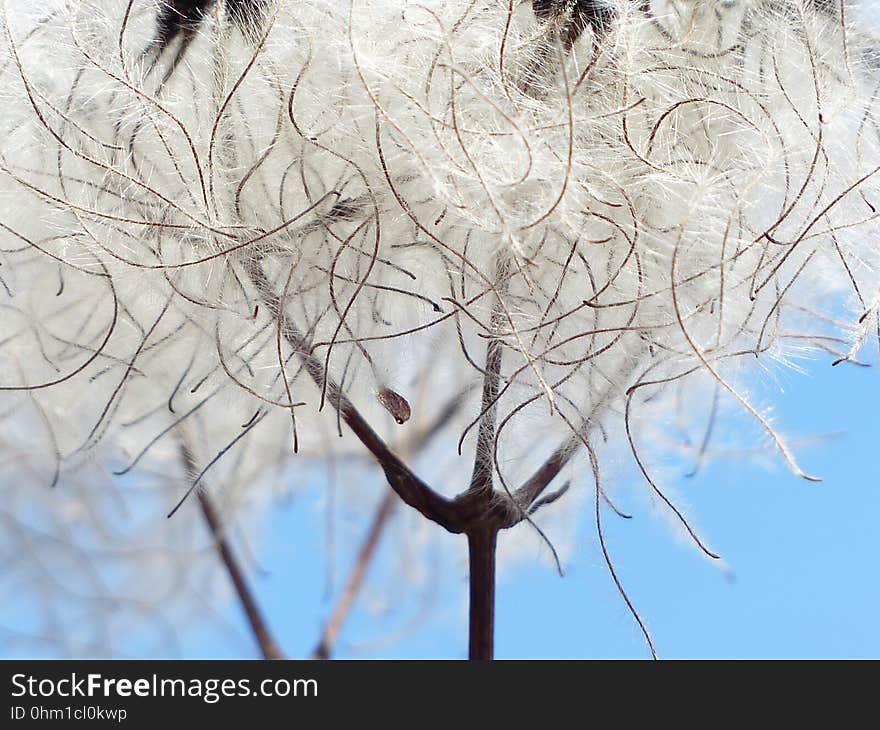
(412,490)
(262,634)
(268,647)
(481,552)
(356,580)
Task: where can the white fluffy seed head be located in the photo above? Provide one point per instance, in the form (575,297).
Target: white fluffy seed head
(643,206)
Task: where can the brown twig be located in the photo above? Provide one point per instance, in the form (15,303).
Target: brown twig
(532,489)
(412,490)
(481,554)
(482,536)
(260,629)
(356,580)
(481,478)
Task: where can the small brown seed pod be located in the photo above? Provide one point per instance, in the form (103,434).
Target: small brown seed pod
(395,404)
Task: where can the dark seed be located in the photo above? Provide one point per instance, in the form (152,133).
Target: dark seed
(575,15)
(395,404)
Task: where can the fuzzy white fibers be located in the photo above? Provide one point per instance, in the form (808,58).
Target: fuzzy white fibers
(681,190)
